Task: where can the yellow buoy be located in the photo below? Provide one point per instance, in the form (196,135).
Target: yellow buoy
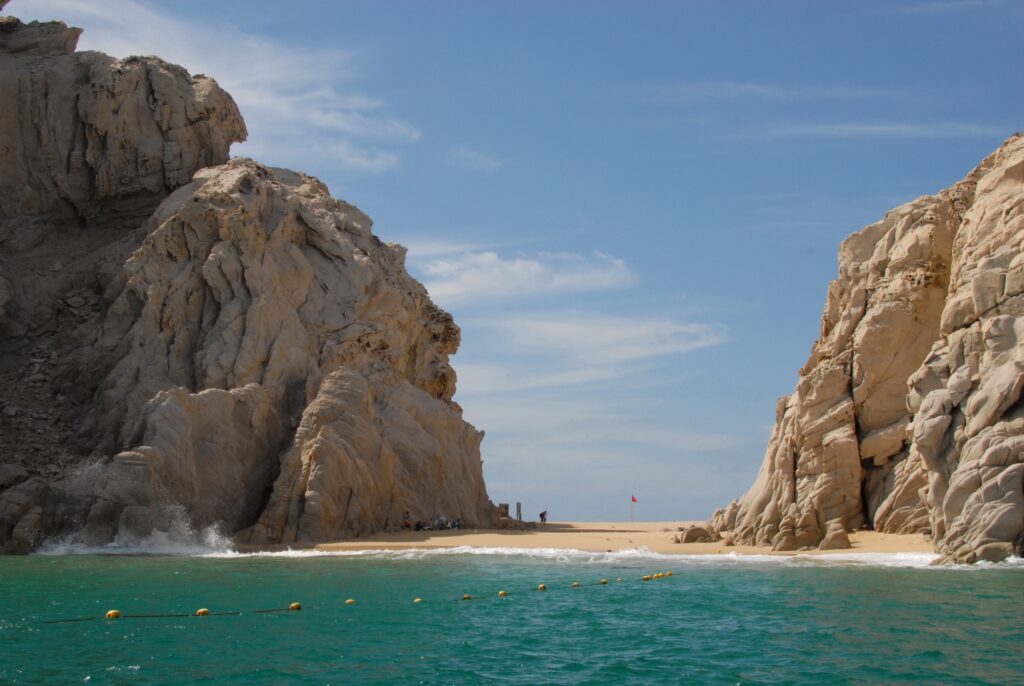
(502,594)
(668,573)
(350,601)
(417,600)
(647,577)
(542,587)
(467,597)
(113,614)
(575,584)
(658,575)
(202,612)
(295,606)
(603,582)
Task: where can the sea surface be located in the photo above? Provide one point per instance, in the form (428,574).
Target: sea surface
(841,619)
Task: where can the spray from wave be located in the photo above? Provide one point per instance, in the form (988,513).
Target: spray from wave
(179,538)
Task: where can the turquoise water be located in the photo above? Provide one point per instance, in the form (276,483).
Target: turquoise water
(716,620)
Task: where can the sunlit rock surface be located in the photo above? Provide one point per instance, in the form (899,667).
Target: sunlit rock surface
(907,416)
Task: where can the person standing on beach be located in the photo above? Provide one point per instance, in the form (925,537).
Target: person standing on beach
(544,517)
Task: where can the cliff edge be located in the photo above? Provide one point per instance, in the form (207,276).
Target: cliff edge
(907,417)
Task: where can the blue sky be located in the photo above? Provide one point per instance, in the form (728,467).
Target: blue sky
(632,209)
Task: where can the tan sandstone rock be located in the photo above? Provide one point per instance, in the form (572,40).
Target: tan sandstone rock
(239,353)
(836,537)
(907,415)
(265,341)
(91,139)
(91,145)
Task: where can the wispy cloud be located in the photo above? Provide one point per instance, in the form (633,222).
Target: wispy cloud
(691,92)
(601,339)
(560,423)
(477,379)
(300,103)
(476,276)
(890,130)
(946,6)
(421,249)
(607,453)
(792,226)
(473,160)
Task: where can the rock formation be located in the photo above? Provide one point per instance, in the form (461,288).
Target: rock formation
(263,341)
(190,342)
(907,416)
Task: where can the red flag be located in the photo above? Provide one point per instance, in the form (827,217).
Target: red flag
(634,498)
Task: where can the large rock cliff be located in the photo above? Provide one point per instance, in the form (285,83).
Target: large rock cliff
(262,341)
(190,342)
(907,417)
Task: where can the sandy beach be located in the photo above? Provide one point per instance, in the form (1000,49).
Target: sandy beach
(606,537)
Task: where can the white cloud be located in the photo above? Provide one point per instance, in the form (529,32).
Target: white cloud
(424,248)
(485,379)
(476,276)
(600,339)
(891,130)
(473,160)
(562,425)
(299,103)
(607,451)
(947,6)
(705,91)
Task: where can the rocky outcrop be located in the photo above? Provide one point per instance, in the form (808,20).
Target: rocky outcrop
(261,318)
(90,139)
(907,415)
(91,145)
(187,342)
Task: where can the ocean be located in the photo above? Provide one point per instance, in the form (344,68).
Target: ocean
(838,619)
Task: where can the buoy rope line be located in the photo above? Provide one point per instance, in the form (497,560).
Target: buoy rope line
(295,607)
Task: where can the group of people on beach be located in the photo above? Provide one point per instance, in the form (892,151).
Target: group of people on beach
(439,523)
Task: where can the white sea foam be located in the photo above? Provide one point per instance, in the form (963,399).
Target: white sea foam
(184,542)
(210,543)
(635,555)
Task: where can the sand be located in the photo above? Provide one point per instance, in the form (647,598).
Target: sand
(605,537)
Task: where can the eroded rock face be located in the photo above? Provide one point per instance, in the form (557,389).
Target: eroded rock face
(907,414)
(269,349)
(91,139)
(90,146)
(239,353)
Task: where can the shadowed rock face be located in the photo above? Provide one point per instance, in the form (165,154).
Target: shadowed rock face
(187,343)
(907,415)
(90,146)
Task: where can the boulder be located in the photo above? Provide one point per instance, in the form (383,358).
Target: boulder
(696,534)
(836,537)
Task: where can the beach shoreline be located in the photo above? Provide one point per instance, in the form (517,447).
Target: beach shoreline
(603,537)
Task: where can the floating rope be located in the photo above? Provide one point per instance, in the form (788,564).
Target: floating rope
(294,607)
